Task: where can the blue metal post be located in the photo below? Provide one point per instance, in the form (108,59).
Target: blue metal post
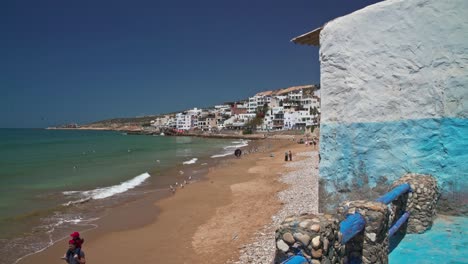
(398,224)
(298,259)
(352,225)
(393,194)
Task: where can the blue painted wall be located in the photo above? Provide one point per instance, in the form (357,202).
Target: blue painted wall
(436,146)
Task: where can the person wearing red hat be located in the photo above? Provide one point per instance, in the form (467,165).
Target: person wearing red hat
(74,250)
(76,255)
(76,236)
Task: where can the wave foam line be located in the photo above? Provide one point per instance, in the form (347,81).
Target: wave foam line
(243,144)
(192,161)
(105,192)
(221,155)
(228,150)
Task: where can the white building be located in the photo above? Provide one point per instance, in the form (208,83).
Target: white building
(257,101)
(183,121)
(296,119)
(270,116)
(295,96)
(310,102)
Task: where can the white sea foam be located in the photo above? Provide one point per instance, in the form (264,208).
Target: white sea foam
(243,144)
(70,192)
(58,223)
(192,161)
(221,155)
(229,150)
(105,192)
(80,201)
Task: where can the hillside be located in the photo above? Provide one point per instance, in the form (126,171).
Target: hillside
(307,89)
(135,123)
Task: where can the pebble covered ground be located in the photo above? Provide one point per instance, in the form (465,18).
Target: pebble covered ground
(301,196)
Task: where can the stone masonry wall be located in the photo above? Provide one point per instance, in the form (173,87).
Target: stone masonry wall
(371,245)
(316,237)
(421,202)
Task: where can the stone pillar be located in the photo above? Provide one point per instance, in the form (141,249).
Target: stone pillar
(421,202)
(371,245)
(316,237)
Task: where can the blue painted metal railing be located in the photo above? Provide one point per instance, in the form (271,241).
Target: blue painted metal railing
(393,194)
(354,224)
(398,224)
(351,226)
(298,259)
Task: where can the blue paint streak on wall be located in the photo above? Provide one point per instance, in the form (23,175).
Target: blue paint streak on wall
(437,146)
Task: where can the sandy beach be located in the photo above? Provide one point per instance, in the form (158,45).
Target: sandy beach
(211,221)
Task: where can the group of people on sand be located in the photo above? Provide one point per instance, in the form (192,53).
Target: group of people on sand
(288,156)
(74,254)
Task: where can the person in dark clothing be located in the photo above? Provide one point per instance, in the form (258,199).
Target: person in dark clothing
(238,153)
(290,156)
(78,241)
(286,156)
(77,256)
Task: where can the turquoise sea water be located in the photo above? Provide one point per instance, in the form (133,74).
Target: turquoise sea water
(43,171)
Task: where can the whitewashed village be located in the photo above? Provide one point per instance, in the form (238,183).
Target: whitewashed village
(292,108)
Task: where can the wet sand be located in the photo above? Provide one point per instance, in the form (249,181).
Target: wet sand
(205,222)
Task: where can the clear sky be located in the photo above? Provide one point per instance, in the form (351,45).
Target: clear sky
(85,60)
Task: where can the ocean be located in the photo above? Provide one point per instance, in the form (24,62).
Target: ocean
(53,181)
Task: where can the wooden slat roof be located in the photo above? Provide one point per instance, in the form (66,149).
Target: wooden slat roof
(311,38)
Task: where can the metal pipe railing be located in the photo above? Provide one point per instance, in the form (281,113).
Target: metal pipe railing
(398,224)
(297,259)
(353,224)
(394,193)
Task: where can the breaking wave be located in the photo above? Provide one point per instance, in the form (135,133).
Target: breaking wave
(192,161)
(105,192)
(229,150)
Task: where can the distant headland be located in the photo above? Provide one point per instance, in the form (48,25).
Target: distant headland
(293,108)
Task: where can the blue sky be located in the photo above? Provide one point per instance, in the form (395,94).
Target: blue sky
(87,60)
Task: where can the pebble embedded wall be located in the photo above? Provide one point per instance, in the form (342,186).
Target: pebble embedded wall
(371,245)
(316,237)
(421,202)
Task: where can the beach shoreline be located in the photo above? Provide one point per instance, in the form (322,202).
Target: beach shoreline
(194,220)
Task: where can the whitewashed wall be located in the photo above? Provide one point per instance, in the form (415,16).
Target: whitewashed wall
(394,79)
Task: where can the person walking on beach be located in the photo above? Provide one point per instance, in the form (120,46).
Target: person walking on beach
(286,156)
(290,156)
(238,153)
(78,242)
(76,256)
